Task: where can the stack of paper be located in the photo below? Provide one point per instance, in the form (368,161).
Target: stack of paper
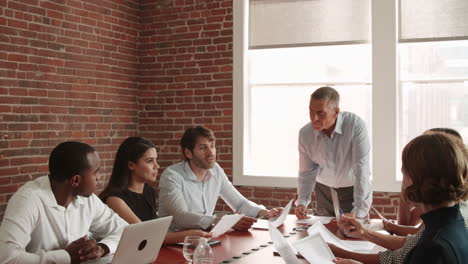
(312,248)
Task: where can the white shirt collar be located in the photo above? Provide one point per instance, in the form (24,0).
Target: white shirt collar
(49,198)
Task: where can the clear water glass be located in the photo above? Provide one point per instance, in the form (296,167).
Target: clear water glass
(190,244)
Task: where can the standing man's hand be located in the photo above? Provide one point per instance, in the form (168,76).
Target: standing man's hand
(301,212)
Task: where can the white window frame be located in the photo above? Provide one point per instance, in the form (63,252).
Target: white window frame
(385,100)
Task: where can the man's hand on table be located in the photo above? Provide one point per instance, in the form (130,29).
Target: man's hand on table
(301,212)
(84,249)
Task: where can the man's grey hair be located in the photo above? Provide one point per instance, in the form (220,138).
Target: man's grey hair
(329,94)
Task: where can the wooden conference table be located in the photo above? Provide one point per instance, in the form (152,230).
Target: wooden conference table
(243,247)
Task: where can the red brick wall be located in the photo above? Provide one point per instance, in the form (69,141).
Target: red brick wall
(67,71)
(98,71)
(186,74)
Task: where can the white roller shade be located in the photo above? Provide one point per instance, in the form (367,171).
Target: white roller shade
(426,20)
(292,23)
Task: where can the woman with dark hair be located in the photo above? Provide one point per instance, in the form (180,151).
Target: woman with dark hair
(435,173)
(128,192)
(409,217)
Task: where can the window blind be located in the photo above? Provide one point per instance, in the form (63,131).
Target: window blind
(296,23)
(433,20)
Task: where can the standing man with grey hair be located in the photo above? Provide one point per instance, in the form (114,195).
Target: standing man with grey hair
(334,153)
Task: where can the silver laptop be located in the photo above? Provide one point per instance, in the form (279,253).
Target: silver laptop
(140,243)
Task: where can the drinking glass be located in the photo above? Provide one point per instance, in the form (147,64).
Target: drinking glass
(190,243)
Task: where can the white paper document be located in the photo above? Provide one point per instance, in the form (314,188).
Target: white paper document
(314,249)
(314,219)
(225,223)
(261,224)
(365,247)
(329,237)
(277,221)
(349,245)
(282,245)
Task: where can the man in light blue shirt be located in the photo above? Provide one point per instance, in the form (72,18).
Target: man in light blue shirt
(334,152)
(190,189)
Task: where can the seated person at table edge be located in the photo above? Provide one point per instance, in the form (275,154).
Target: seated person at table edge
(190,189)
(435,172)
(128,192)
(48,219)
(409,216)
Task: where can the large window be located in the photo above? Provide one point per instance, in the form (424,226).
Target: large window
(434,88)
(279,99)
(400,83)
(433,53)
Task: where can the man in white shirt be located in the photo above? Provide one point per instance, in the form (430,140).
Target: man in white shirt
(190,189)
(48,219)
(334,152)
